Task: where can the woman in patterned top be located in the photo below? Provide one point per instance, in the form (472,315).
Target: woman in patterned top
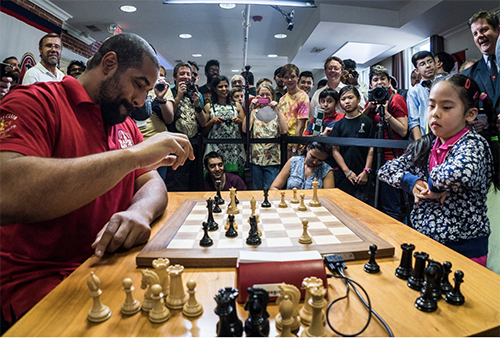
(300,171)
(265,157)
(450,170)
(224,121)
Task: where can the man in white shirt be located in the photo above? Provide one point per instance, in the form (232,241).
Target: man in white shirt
(46,70)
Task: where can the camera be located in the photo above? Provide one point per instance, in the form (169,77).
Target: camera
(6,69)
(191,88)
(263,100)
(160,85)
(379,94)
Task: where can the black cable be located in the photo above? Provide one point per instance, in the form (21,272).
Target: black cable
(336,264)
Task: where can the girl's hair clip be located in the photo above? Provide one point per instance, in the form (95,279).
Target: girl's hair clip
(467,83)
(483,96)
(494,138)
(475,96)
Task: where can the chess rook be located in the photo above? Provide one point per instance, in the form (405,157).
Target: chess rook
(161,265)
(405,267)
(177,297)
(416,280)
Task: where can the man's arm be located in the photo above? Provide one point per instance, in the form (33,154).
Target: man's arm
(132,226)
(36,189)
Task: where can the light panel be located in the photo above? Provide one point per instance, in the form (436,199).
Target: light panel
(293,3)
(361,52)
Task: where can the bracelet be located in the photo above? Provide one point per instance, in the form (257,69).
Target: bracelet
(368,170)
(350,173)
(161,102)
(198,109)
(389,117)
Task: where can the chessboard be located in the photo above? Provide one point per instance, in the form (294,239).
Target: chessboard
(332,230)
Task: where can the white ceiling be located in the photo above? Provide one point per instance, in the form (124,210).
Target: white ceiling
(219,33)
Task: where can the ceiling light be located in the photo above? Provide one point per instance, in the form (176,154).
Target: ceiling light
(364,51)
(235,70)
(272,56)
(227,5)
(293,3)
(185,36)
(128,9)
(280,36)
(196,55)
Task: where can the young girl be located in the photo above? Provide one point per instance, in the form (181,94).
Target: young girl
(265,157)
(328,100)
(450,173)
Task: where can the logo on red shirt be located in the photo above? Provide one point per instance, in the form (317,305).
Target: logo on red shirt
(125,139)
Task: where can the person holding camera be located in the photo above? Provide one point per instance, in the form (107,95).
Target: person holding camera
(351,76)
(391,107)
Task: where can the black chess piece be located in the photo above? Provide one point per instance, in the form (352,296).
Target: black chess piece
(231,232)
(218,186)
(434,286)
(404,269)
(371,266)
(212,224)
(253,235)
(455,297)
(257,324)
(266,203)
(445,283)
(217,209)
(426,302)
(229,324)
(416,280)
(236,200)
(206,240)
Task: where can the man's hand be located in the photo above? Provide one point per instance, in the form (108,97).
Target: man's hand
(195,98)
(4,86)
(161,94)
(327,131)
(124,230)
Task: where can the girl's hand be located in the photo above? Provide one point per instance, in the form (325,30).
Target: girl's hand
(273,104)
(362,178)
(217,120)
(418,188)
(237,120)
(327,131)
(255,100)
(428,194)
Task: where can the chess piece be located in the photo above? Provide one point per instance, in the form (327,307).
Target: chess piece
(253,207)
(266,203)
(233,209)
(371,266)
(416,280)
(149,278)
(253,235)
(283,202)
(212,224)
(404,269)
(99,312)
(305,238)
(317,303)
(206,241)
(229,325)
(192,308)
(131,305)
(292,293)
(434,286)
(159,313)
(231,232)
(294,199)
(445,283)
(315,201)
(286,308)
(217,209)
(302,206)
(161,265)
(306,311)
(218,186)
(426,302)
(257,324)
(177,297)
(454,296)
(236,200)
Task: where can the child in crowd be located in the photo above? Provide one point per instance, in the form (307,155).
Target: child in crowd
(237,94)
(450,170)
(328,100)
(294,105)
(270,123)
(354,162)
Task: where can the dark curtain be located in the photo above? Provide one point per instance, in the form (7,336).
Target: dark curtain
(398,70)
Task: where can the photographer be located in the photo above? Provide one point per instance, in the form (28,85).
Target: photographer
(383,103)
(186,118)
(351,76)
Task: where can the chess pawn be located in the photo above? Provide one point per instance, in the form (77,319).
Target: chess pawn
(149,278)
(192,308)
(99,312)
(455,297)
(405,267)
(286,308)
(315,201)
(131,305)
(294,199)
(302,206)
(317,303)
(283,202)
(177,297)
(159,313)
(306,311)
(161,265)
(371,266)
(305,238)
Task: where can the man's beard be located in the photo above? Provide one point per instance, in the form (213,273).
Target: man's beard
(110,107)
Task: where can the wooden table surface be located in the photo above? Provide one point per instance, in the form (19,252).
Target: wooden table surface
(64,311)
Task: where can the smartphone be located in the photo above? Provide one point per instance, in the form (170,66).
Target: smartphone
(263,100)
(6,69)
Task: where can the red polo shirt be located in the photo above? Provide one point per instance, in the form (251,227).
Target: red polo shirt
(58,120)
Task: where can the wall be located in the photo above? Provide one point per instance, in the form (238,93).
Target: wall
(461,41)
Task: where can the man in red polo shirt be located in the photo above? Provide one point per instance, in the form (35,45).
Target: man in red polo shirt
(76,178)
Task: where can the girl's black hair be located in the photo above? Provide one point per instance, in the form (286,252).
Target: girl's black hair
(215,83)
(349,88)
(471,97)
(323,147)
(330,92)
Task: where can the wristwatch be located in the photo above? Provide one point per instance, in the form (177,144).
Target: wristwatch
(161,102)
(368,170)
(198,109)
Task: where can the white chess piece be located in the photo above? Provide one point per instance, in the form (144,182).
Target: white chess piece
(177,297)
(293,294)
(317,303)
(161,265)
(286,309)
(99,312)
(306,311)
(315,201)
(131,305)
(294,199)
(283,202)
(159,313)
(302,206)
(305,238)
(192,308)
